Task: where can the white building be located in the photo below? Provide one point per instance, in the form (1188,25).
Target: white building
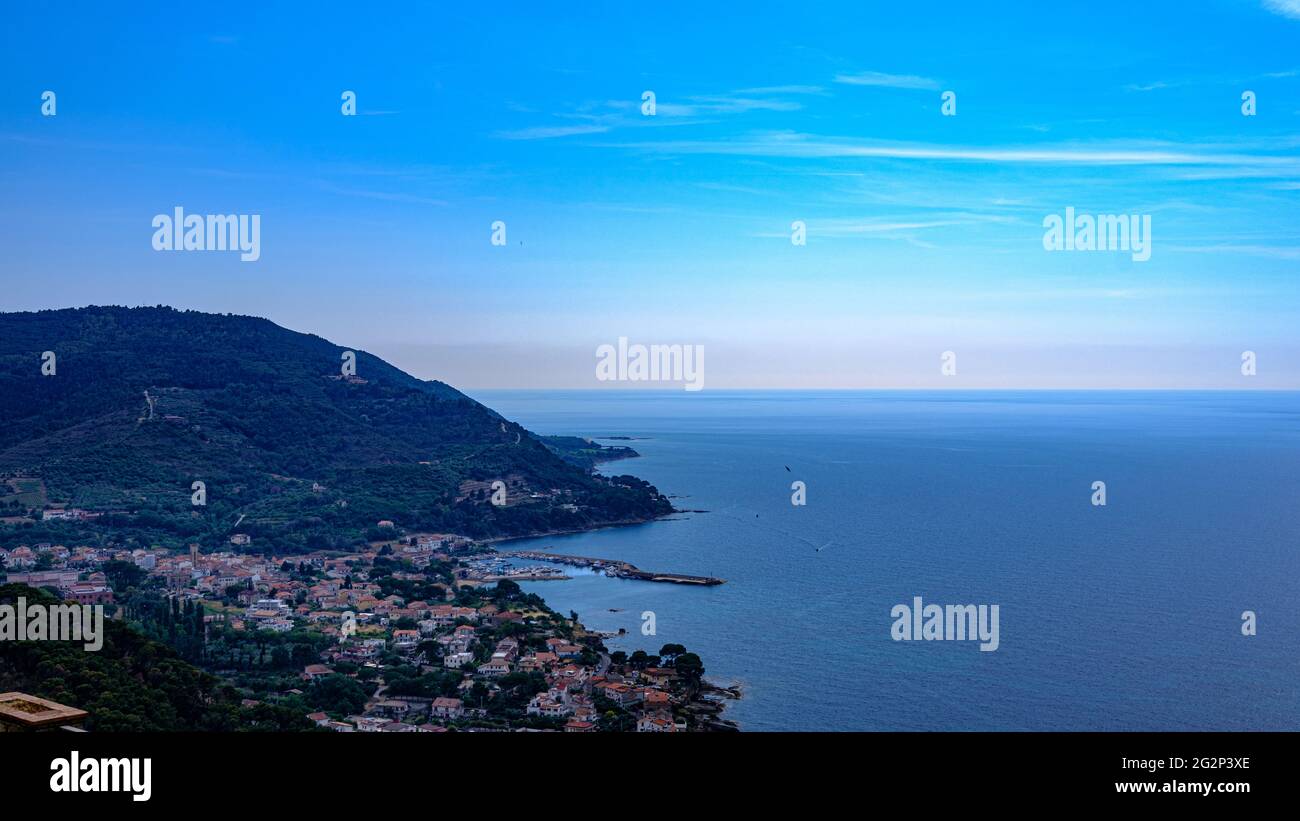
(457,660)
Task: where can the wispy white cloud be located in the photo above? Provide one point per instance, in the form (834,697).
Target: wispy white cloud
(1286,8)
(387,196)
(877,78)
(1287,252)
(1209,80)
(1078,293)
(1156,86)
(887,228)
(1211,173)
(736,189)
(723,104)
(546,132)
(794,89)
(810,146)
(600,117)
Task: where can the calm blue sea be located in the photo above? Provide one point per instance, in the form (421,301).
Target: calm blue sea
(1123,617)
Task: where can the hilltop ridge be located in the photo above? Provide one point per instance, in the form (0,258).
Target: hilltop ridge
(144,402)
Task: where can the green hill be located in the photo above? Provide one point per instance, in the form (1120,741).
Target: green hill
(146,401)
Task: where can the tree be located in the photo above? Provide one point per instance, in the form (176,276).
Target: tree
(511,629)
(336,694)
(478,693)
(280,656)
(640,660)
(122,575)
(670,651)
(505,589)
(689,667)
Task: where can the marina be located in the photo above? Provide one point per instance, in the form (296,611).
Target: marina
(612,568)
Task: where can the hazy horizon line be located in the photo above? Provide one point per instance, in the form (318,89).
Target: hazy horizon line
(669,390)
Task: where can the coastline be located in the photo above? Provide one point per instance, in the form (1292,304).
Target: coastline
(708,703)
(712,696)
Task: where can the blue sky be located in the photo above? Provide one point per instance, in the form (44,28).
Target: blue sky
(924,231)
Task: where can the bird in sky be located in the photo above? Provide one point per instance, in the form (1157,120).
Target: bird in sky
(789,535)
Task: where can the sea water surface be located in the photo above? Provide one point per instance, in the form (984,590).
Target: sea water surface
(1122,617)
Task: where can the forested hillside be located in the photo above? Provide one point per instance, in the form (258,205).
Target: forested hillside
(144,402)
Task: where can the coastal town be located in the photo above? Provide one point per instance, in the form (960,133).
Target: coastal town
(415,633)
